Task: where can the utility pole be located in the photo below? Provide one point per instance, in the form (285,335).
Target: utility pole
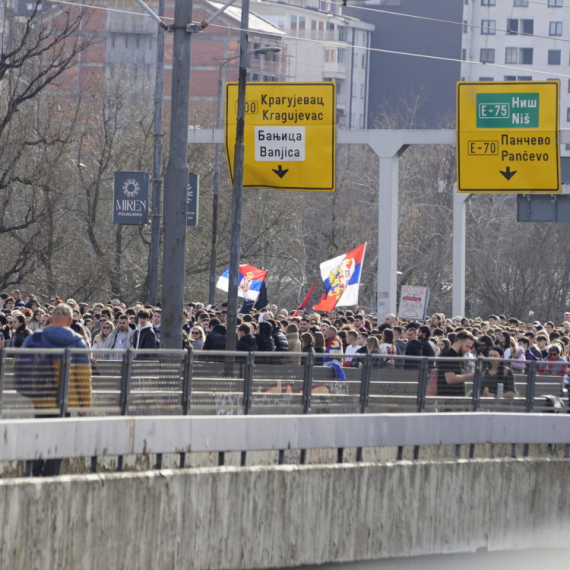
(175,193)
(237,198)
(213,253)
(157,167)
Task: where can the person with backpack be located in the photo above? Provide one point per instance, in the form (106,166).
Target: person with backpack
(37,375)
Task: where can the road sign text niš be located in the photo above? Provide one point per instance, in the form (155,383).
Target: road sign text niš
(508,137)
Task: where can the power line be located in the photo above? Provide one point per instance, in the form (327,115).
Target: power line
(452,22)
(364,48)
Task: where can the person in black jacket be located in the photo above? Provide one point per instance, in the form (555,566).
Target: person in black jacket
(216,339)
(424,333)
(280,341)
(413,348)
(264,338)
(246,341)
(143,336)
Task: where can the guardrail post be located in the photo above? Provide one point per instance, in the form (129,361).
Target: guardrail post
(187,390)
(126,371)
(364,393)
(477,383)
(187,381)
(530,386)
(2,366)
(248,383)
(308,382)
(365,383)
(422,383)
(307,389)
(64,383)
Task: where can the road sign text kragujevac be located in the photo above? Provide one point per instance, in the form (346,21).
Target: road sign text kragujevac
(508,136)
(289,137)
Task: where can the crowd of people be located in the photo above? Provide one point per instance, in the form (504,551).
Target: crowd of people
(338,335)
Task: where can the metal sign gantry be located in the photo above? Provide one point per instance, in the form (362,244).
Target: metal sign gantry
(389,145)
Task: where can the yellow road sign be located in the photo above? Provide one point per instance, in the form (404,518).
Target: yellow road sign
(508,137)
(290,131)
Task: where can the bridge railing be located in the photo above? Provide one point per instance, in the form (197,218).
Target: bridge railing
(177,382)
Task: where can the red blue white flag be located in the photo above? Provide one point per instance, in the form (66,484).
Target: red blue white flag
(250,281)
(341,277)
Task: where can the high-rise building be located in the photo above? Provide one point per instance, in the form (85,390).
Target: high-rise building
(519,40)
(323,44)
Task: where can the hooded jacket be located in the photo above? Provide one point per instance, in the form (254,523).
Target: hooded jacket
(144,338)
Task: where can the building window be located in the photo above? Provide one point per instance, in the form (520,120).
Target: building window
(488,27)
(512,27)
(524,78)
(521,3)
(569,86)
(363,60)
(510,78)
(568,114)
(465,27)
(487,2)
(511,54)
(525,55)
(463,55)
(341,57)
(487,55)
(555,3)
(362,91)
(486,79)
(527,27)
(555,29)
(554,56)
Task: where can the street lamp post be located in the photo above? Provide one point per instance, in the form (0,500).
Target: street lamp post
(213,251)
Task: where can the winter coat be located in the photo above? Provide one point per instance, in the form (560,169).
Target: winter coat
(79,392)
(294,346)
(144,338)
(247,343)
(264,338)
(216,339)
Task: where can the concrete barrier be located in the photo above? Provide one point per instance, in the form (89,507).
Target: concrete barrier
(280,517)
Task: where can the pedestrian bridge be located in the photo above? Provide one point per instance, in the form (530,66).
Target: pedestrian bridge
(421,484)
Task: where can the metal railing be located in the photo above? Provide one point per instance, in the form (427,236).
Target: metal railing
(176,382)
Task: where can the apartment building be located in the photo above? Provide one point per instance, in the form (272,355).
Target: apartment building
(323,44)
(528,39)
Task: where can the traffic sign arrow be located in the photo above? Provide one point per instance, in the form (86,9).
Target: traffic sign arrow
(508,174)
(280,172)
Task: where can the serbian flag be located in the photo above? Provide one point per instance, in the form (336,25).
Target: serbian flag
(250,281)
(341,277)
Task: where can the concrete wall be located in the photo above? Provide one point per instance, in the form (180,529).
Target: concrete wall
(277,517)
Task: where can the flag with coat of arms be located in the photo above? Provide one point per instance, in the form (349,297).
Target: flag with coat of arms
(341,278)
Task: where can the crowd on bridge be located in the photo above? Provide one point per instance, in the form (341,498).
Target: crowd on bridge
(338,335)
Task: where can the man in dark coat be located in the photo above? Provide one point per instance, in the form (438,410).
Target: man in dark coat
(216,339)
(246,342)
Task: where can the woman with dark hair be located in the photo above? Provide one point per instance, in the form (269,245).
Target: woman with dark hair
(505,343)
(35,324)
(4,328)
(496,373)
(20,330)
(388,347)
(307,342)
(320,343)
